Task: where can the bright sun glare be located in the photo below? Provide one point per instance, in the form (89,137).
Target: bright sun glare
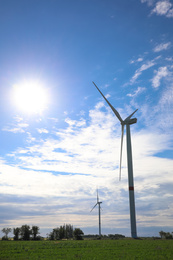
(30,97)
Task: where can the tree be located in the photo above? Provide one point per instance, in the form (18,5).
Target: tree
(62,232)
(78,233)
(25,232)
(6,231)
(54,235)
(168,235)
(69,231)
(16,232)
(65,231)
(35,232)
(162,234)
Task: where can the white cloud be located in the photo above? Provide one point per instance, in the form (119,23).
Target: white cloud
(135,61)
(76,123)
(18,119)
(23,125)
(81,146)
(42,131)
(30,138)
(162,72)
(161,47)
(68,167)
(163,8)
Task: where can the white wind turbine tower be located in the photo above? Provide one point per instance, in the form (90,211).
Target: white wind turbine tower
(99,207)
(128,121)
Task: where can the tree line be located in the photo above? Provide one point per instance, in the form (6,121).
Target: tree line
(109,236)
(166,235)
(63,232)
(26,233)
(22,233)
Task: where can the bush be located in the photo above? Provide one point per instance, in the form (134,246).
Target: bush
(4,238)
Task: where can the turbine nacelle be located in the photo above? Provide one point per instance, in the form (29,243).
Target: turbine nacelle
(98,202)
(129,121)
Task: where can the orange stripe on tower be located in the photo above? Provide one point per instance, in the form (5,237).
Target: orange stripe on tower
(131,188)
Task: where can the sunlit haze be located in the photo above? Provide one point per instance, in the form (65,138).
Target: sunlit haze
(30,96)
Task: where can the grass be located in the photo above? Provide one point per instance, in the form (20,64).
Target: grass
(87,249)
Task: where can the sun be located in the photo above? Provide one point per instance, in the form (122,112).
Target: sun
(30,97)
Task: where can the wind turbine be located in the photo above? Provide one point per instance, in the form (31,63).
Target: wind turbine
(99,207)
(128,121)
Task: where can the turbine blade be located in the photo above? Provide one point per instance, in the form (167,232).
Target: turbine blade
(122,135)
(97,196)
(131,115)
(113,109)
(94,206)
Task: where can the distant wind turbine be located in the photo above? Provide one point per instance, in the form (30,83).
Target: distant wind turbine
(128,121)
(99,207)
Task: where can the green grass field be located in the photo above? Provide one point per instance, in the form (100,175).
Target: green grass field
(87,249)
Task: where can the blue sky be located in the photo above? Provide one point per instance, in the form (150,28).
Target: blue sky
(52,162)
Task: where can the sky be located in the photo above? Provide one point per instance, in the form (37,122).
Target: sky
(54,158)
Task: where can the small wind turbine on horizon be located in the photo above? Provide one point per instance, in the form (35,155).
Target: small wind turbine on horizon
(128,121)
(99,207)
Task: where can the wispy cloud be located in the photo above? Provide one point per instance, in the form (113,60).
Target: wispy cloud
(167,97)
(82,147)
(159,116)
(139,71)
(165,108)
(161,73)
(138,91)
(53,119)
(162,46)
(16,128)
(169,59)
(149,2)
